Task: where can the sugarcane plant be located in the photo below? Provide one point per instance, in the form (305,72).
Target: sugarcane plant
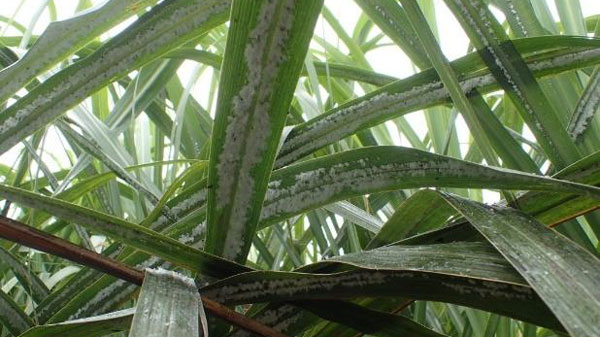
(224,168)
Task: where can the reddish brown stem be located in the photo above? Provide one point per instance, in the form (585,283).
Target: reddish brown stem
(31,237)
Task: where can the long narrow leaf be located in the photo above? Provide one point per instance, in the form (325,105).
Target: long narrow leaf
(85,327)
(516,79)
(457,270)
(331,178)
(63,38)
(128,233)
(30,282)
(165,27)
(422,212)
(368,321)
(265,51)
(12,316)
(416,92)
(564,274)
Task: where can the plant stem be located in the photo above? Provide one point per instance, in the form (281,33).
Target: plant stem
(25,235)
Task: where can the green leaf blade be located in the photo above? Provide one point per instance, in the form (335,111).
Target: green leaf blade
(320,181)
(165,27)
(268,41)
(87,327)
(516,79)
(564,274)
(464,273)
(168,305)
(12,316)
(63,38)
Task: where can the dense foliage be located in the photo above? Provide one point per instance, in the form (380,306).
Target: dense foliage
(246,172)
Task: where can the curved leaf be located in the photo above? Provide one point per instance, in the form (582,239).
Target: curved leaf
(324,180)
(131,234)
(168,305)
(63,38)
(165,27)
(416,92)
(564,274)
(437,272)
(86,327)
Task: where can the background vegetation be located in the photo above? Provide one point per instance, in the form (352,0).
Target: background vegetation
(243,156)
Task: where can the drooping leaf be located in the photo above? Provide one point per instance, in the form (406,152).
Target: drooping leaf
(320,181)
(168,305)
(470,274)
(564,274)
(128,233)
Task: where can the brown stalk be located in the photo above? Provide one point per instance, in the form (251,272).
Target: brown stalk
(573,216)
(25,235)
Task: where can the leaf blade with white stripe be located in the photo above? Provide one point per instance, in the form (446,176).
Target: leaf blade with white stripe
(267,42)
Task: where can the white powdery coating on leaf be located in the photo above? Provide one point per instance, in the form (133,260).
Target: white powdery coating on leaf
(321,186)
(103,317)
(399,30)
(113,292)
(174,276)
(489,289)
(488,45)
(586,108)
(59,37)
(534,120)
(178,211)
(515,15)
(566,60)
(245,292)
(24,118)
(193,201)
(193,236)
(12,318)
(347,120)
(280,318)
(121,293)
(249,124)
(160,222)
